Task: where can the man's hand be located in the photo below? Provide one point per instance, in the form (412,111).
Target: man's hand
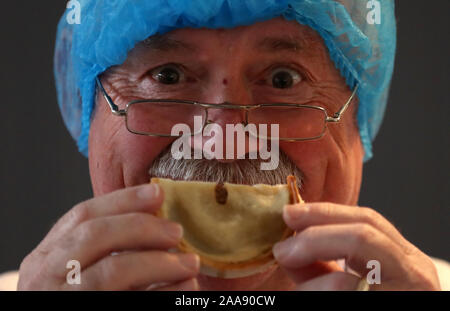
(120,222)
(327,232)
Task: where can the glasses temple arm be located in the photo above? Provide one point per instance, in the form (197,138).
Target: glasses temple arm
(114,108)
(337,116)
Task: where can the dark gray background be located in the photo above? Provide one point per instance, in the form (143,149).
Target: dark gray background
(43,175)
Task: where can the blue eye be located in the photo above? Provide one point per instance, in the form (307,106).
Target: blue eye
(283,78)
(167,74)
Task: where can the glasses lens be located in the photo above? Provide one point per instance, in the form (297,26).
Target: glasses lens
(293,122)
(160,117)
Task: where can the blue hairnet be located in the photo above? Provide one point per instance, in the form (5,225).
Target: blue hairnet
(363,52)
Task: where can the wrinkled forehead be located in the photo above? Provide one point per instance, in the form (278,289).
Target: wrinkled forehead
(276,35)
(274,26)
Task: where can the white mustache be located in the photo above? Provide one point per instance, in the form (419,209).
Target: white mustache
(241,171)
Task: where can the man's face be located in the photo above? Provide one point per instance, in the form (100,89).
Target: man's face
(272,61)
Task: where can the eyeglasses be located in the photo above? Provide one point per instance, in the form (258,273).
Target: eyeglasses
(157,117)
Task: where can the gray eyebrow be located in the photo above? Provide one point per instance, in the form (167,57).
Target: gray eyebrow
(268,44)
(282,43)
(166,44)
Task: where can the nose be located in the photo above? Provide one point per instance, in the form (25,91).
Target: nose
(225,137)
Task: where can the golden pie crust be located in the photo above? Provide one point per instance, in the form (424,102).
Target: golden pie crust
(231,227)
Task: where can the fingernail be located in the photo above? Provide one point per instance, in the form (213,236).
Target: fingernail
(283,250)
(195,284)
(191,261)
(148,192)
(294,211)
(174,231)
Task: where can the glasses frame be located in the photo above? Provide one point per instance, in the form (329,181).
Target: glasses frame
(124,112)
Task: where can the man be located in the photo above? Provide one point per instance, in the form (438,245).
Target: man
(274,60)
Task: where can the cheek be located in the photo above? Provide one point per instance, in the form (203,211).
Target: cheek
(118,158)
(332,168)
(136,154)
(311,158)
